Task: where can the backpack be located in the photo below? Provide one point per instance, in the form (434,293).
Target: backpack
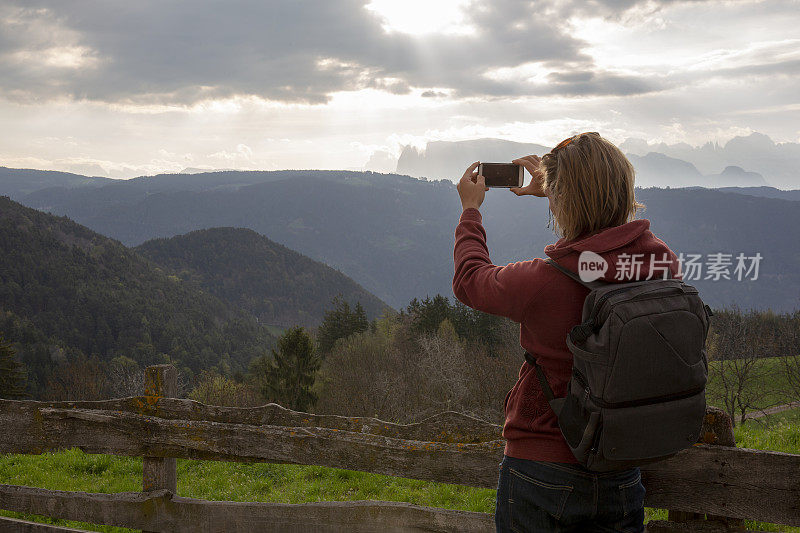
(637,390)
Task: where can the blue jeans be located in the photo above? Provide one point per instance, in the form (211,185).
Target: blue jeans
(534,496)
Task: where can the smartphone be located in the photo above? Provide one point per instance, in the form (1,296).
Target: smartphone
(502,174)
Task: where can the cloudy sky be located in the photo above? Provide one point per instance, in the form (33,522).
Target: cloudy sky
(130,88)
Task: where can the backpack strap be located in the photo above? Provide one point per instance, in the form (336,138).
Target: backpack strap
(555,403)
(591,285)
(558,403)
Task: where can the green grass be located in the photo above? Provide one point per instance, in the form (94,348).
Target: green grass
(779,432)
(74,470)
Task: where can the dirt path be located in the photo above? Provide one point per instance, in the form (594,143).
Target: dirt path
(771,410)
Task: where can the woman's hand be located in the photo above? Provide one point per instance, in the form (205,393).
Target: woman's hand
(536,186)
(472,187)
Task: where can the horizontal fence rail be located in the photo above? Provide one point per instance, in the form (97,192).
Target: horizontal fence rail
(163,511)
(709,478)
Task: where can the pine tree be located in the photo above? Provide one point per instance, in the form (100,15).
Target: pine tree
(360,322)
(289,377)
(428,314)
(12,373)
(341,322)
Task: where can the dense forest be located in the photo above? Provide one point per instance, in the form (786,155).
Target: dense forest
(435,355)
(274,283)
(67,292)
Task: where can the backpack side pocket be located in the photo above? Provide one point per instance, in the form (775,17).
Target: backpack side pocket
(579,421)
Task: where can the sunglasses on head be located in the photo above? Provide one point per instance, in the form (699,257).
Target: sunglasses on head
(568,140)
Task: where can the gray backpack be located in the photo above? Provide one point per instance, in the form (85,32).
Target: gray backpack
(637,390)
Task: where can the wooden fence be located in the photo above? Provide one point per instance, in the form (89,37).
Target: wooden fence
(709,487)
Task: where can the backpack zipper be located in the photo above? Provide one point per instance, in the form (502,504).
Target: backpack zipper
(634,403)
(611,306)
(596,439)
(606,296)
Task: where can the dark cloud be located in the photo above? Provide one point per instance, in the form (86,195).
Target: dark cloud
(789,67)
(571,77)
(433,94)
(297,51)
(617,9)
(593,83)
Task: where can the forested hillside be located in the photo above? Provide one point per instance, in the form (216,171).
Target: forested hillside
(276,284)
(66,292)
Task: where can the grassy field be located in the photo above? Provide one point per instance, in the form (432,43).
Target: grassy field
(76,471)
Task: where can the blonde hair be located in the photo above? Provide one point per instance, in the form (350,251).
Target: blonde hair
(590,183)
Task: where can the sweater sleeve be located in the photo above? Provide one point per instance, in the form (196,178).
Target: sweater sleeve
(498,290)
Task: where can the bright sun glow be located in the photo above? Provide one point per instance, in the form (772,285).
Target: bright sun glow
(420,17)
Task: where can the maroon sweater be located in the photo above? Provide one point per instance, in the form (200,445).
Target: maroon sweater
(546,303)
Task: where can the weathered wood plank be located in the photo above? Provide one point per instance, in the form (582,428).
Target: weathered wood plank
(448,426)
(135,435)
(717,429)
(160,472)
(692,526)
(739,484)
(15,525)
(727,481)
(161,511)
(719,480)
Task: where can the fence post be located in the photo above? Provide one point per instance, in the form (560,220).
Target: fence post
(160,472)
(717,429)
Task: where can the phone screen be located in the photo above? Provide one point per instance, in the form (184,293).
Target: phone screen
(501,174)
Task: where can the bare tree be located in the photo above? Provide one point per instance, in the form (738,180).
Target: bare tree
(215,389)
(790,355)
(467,377)
(440,369)
(741,379)
(81,378)
(358,378)
(492,376)
(405,377)
(125,377)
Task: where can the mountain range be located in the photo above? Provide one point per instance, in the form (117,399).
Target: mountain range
(17,182)
(744,161)
(778,163)
(393,234)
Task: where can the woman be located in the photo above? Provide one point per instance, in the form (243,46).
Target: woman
(589,184)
